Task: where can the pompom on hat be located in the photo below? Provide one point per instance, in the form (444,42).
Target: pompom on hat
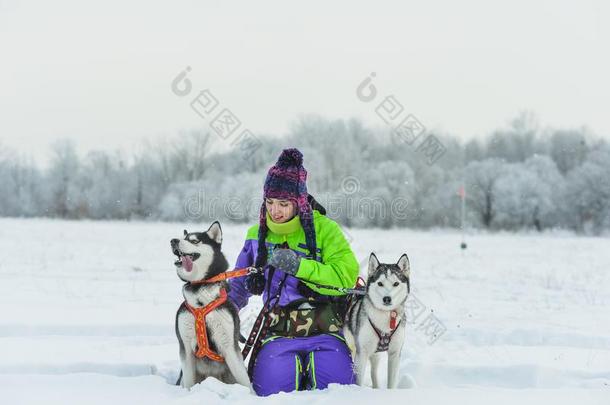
(286,180)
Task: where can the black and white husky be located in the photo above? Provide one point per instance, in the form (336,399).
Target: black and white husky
(200,258)
(376,321)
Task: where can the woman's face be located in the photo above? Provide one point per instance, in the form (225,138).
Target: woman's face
(280,210)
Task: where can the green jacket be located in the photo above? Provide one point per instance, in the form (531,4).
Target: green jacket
(336,264)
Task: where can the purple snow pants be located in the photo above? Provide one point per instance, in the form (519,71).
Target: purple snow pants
(289,364)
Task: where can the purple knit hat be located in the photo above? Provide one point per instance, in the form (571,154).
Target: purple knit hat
(287,181)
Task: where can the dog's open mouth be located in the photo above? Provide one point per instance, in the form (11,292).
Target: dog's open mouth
(185,260)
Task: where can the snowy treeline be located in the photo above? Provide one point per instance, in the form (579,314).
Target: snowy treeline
(517,177)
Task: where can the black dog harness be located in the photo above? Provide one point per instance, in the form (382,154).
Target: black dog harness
(385,338)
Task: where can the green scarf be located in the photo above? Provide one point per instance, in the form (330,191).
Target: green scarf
(285,228)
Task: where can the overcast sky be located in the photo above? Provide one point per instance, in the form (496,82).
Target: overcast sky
(101,73)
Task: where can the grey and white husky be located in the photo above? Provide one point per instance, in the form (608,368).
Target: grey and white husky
(376,321)
(200,258)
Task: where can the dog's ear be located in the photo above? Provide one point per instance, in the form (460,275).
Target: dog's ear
(373,263)
(185,232)
(215,233)
(404,265)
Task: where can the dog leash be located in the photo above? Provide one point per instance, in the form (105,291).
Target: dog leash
(227,275)
(260,328)
(359,290)
(348,291)
(246,271)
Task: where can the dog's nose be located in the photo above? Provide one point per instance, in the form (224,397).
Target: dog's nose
(387,300)
(174,242)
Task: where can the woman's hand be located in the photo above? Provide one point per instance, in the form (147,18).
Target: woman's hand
(286,260)
(255,283)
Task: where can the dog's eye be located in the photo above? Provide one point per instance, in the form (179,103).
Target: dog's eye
(395,284)
(380,284)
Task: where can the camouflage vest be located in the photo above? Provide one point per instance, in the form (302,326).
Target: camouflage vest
(307,319)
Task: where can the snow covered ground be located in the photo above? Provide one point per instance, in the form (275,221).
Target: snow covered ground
(87,311)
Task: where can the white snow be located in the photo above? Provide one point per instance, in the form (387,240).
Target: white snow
(87,316)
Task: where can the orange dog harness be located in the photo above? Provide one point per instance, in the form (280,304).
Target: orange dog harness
(203,344)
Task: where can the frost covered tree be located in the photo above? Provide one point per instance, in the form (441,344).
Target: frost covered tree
(518,176)
(443,205)
(588,192)
(516,198)
(568,148)
(473,150)
(20,180)
(106,189)
(389,195)
(480,179)
(149,186)
(428,188)
(516,143)
(62,189)
(549,195)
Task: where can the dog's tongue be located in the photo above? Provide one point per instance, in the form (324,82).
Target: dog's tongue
(187,263)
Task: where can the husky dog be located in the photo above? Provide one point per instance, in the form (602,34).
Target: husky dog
(376,321)
(200,258)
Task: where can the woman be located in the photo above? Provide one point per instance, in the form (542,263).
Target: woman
(298,246)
